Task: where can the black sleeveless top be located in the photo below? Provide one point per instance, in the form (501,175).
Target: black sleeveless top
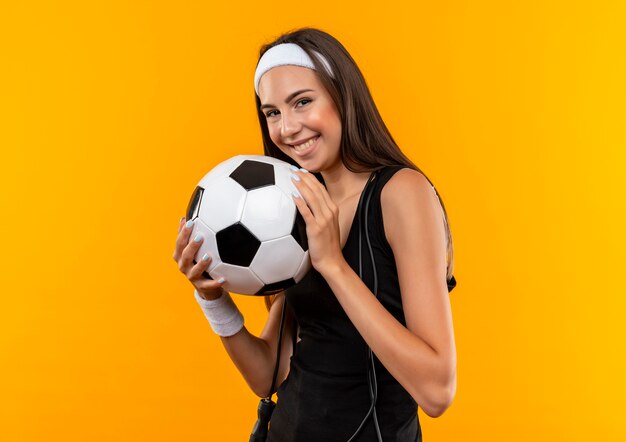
(326,394)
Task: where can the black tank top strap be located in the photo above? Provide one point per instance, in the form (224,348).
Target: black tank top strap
(376,213)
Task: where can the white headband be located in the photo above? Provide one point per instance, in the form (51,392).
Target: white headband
(286,54)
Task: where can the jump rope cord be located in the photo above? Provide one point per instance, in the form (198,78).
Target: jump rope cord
(280,338)
(371,369)
(266,405)
(369,350)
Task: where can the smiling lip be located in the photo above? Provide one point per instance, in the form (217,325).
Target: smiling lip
(308,150)
(303,141)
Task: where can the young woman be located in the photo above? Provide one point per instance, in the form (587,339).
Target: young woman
(317,113)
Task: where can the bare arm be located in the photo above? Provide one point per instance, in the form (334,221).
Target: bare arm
(422,355)
(255,357)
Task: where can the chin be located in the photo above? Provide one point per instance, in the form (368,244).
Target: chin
(313,168)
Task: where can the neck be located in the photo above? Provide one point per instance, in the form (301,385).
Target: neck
(342,184)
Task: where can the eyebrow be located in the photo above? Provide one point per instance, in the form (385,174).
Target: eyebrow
(288,99)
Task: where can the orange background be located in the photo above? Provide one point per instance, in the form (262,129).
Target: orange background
(112,112)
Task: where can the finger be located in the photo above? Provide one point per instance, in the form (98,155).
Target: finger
(186,260)
(210,284)
(181,224)
(319,188)
(197,271)
(183,239)
(304,210)
(320,192)
(310,197)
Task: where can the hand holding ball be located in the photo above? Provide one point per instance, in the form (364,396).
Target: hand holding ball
(251,227)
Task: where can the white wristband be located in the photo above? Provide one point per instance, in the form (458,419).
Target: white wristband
(222,313)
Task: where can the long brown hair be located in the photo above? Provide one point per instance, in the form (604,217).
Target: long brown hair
(366,144)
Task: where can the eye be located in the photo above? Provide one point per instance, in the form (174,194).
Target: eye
(304,100)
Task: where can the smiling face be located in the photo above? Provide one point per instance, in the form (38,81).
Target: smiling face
(301,117)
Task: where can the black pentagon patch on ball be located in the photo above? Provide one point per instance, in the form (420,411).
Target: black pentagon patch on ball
(299,231)
(276,287)
(236,245)
(253,174)
(193,208)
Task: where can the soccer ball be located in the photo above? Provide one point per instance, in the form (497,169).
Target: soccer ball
(252,228)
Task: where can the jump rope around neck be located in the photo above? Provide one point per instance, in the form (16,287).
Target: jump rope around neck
(266,405)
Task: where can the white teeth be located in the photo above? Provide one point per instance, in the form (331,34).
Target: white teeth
(306,145)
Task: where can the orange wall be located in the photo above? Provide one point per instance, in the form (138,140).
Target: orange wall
(111,113)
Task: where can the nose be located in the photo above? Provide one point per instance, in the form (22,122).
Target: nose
(289,125)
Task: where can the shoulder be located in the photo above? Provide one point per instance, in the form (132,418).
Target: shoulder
(407,187)
(406,179)
(409,202)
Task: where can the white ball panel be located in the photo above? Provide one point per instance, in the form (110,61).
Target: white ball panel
(268,213)
(209,245)
(222,204)
(238,279)
(277,259)
(222,170)
(305,266)
(282,176)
